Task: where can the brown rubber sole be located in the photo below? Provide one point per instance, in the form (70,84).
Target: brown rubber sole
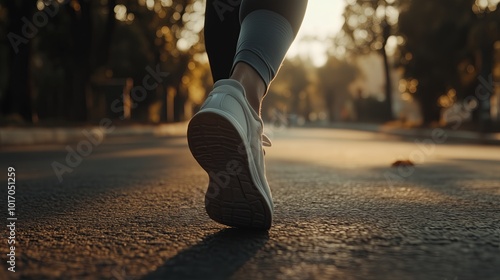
(232,197)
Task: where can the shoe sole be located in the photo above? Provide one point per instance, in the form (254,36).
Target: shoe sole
(232,197)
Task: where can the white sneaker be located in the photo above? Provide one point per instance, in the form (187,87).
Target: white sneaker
(226,139)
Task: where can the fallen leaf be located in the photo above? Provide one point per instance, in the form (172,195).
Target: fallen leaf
(403,163)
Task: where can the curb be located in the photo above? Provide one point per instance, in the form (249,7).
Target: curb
(14,136)
(453,135)
(426,133)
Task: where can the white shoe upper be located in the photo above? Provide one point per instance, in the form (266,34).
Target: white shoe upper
(228,99)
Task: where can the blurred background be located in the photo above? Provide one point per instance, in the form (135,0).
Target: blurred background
(404,62)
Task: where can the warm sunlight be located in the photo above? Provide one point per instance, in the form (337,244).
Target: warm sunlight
(323,19)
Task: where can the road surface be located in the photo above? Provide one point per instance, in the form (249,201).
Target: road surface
(133,209)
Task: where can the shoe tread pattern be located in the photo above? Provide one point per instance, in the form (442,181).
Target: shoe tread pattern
(214,142)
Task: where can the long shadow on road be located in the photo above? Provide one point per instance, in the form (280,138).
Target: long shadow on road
(111,168)
(217,256)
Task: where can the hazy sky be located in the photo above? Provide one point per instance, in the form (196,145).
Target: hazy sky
(323,17)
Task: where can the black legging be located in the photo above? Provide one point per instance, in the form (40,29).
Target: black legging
(222,27)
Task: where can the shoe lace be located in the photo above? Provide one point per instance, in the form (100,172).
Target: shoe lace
(266,142)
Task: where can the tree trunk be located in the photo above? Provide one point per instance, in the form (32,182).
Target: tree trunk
(431,112)
(103,50)
(330,104)
(17,99)
(387,71)
(175,79)
(485,89)
(80,68)
(388,86)
(179,101)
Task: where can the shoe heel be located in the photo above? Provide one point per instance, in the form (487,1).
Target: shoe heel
(232,198)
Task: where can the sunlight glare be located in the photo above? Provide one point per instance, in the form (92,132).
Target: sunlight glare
(323,19)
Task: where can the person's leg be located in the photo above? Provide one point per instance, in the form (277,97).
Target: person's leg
(225,136)
(268,28)
(222,28)
(258,59)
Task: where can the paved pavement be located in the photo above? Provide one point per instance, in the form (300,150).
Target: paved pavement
(453,133)
(23,136)
(133,209)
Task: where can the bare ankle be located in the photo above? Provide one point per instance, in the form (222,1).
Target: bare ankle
(255,87)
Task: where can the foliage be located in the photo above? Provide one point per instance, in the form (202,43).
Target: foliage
(441,52)
(443,46)
(335,77)
(367,28)
(86,45)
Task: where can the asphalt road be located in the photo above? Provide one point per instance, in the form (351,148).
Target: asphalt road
(133,209)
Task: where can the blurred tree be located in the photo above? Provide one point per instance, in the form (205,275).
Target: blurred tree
(17,98)
(454,41)
(367,28)
(291,83)
(104,46)
(334,80)
(77,46)
(172,31)
(80,68)
(58,38)
(483,35)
